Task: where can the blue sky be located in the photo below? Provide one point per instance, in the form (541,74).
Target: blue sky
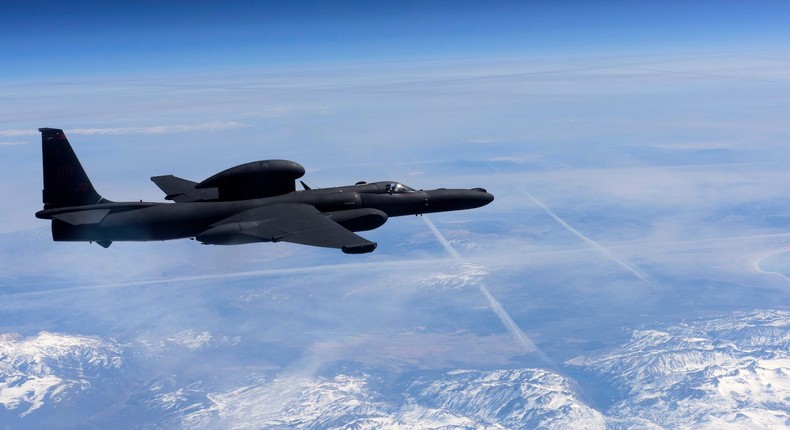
(55,38)
(637,152)
(201,86)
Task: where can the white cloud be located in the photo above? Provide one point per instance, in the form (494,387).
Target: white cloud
(157,129)
(17,133)
(13,143)
(161,129)
(695,146)
(272,112)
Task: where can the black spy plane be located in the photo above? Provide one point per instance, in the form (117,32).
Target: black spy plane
(252,202)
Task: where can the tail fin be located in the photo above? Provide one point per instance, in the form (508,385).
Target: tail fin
(65,181)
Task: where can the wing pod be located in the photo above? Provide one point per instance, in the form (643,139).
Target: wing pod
(230,234)
(359,219)
(359,249)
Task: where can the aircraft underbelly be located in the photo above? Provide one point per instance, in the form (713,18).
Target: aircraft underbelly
(163,222)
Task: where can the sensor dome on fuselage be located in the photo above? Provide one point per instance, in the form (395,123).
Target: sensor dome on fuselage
(257,179)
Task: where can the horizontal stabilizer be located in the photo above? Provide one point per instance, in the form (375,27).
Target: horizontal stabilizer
(182,190)
(92,216)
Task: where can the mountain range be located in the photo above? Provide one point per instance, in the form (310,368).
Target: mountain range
(725,372)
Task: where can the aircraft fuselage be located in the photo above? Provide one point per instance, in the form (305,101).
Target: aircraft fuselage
(145,221)
(248,203)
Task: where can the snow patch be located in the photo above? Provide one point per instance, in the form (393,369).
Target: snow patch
(50,366)
(194,341)
(524,398)
(730,372)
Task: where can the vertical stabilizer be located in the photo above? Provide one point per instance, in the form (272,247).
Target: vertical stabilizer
(65,181)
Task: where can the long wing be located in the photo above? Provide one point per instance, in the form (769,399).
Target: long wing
(295,223)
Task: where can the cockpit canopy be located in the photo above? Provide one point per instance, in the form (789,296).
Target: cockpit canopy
(397,188)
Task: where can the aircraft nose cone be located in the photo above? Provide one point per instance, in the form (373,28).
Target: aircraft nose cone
(478,197)
(450,200)
(484,195)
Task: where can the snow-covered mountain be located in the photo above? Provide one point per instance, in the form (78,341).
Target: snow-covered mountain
(729,372)
(521,398)
(461,399)
(725,372)
(51,367)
